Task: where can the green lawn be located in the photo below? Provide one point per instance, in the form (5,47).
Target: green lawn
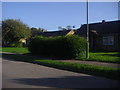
(112,57)
(98,56)
(0,49)
(15,50)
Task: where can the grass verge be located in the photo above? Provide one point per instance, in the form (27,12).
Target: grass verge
(112,73)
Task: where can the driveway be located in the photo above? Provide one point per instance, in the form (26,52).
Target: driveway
(18,74)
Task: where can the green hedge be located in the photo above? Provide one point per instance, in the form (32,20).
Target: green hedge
(61,46)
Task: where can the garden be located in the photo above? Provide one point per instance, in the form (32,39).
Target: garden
(64,47)
(111,57)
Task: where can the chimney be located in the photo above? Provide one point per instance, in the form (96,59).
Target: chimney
(103,21)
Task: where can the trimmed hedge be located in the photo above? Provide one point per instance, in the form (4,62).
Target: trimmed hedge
(61,46)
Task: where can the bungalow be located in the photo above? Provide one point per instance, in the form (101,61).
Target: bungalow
(56,33)
(104,36)
(23,40)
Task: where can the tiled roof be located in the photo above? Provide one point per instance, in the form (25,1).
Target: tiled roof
(54,33)
(101,28)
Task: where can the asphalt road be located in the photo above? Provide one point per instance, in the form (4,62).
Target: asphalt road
(0,72)
(18,74)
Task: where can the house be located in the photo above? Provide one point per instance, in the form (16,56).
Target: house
(104,36)
(56,33)
(23,40)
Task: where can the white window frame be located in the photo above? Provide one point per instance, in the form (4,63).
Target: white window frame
(108,40)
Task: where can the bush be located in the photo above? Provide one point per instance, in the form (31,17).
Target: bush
(16,44)
(61,46)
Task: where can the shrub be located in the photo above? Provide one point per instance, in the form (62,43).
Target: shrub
(16,44)
(61,46)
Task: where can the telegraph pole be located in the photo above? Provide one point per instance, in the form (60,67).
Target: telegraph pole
(87,34)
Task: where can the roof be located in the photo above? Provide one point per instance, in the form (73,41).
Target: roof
(100,28)
(54,33)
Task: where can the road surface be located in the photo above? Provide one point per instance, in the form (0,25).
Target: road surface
(18,74)
(0,72)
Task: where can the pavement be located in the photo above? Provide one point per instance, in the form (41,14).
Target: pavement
(107,64)
(17,74)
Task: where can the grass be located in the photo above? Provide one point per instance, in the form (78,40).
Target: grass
(112,73)
(83,68)
(105,56)
(112,57)
(15,50)
(0,49)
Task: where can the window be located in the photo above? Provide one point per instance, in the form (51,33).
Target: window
(108,40)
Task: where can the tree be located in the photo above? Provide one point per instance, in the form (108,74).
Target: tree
(69,27)
(60,28)
(35,31)
(63,29)
(41,30)
(13,31)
